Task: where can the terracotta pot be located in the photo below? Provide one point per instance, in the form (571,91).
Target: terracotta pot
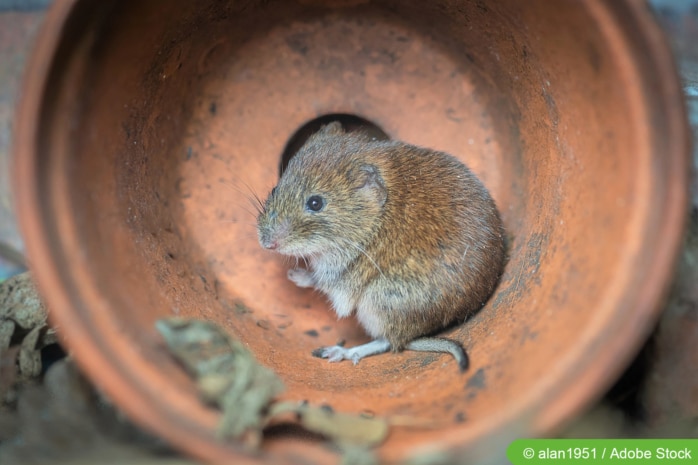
(142,126)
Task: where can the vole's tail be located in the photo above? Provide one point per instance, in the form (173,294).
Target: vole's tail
(438,344)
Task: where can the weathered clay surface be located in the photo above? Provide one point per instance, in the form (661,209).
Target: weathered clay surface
(140,135)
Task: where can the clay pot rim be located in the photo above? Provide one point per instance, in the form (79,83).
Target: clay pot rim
(569,400)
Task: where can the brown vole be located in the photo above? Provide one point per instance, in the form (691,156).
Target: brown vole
(406,237)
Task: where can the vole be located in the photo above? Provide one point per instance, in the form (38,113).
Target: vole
(406,238)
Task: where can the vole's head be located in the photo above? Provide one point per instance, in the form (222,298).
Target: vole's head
(329,199)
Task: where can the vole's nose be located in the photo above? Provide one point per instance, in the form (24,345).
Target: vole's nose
(272,236)
(267,241)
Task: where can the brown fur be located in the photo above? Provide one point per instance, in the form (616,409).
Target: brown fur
(429,226)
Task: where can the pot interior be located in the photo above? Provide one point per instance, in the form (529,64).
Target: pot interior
(162,122)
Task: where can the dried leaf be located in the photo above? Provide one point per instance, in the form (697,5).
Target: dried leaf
(213,387)
(7,329)
(22,314)
(48,337)
(226,372)
(20,302)
(228,376)
(341,428)
(30,354)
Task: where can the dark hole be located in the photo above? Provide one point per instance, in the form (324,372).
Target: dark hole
(50,355)
(288,430)
(350,123)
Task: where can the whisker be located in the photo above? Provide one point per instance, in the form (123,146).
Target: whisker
(250,195)
(363,251)
(253,214)
(462,259)
(257,202)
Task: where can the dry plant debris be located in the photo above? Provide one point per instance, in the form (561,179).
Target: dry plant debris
(226,374)
(229,377)
(23,333)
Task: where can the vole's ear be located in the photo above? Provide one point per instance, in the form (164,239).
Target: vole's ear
(371,182)
(332,129)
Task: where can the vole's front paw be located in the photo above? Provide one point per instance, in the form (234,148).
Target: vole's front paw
(301,277)
(337,354)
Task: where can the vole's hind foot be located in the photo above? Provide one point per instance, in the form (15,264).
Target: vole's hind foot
(437,344)
(301,277)
(339,353)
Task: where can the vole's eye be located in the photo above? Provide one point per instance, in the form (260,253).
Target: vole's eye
(315,203)
(273,191)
